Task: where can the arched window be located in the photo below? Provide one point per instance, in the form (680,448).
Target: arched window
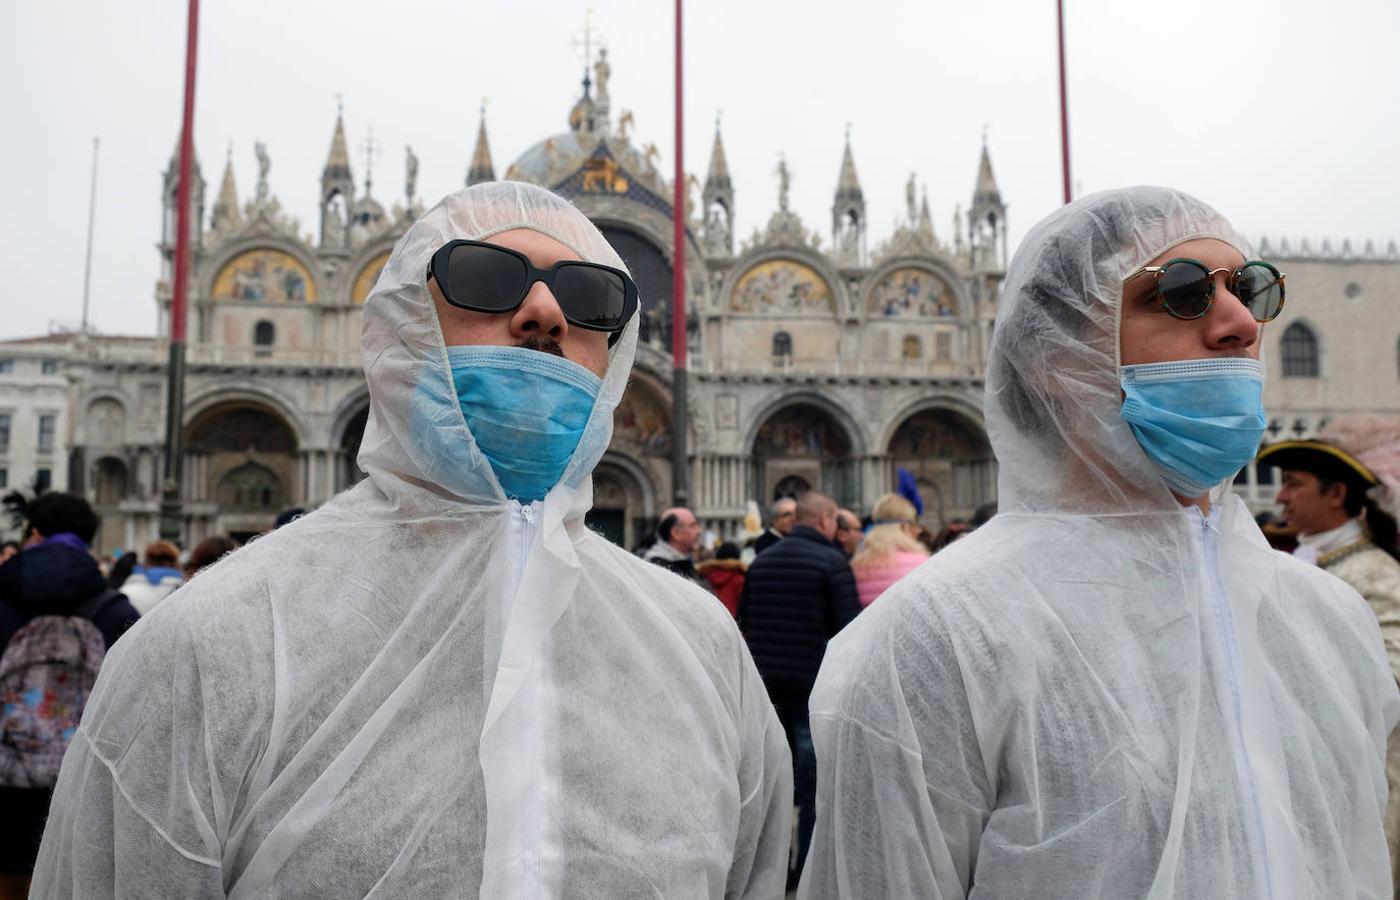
(782,345)
(1299,352)
(913,348)
(264,334)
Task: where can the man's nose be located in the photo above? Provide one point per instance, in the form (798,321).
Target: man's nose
(539,315)
(1229,324)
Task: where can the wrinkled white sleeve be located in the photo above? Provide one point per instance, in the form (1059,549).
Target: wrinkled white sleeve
(901,790)
(765,778)
(138,811)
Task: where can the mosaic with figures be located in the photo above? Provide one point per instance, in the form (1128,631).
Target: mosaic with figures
(364,282)
(911,293)
(268,275)
(781,285)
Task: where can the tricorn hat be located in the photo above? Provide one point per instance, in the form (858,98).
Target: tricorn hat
(1321,458)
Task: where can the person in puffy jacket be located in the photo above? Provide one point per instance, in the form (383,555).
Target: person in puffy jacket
(890,550)
(725,575)
(151,583)
(797,595)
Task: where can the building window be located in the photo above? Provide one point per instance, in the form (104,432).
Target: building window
(1299,352)
(48,367)
(782,345)
(943,345)
(4,431)
(46,431)
(7,366)
(264,333)
(913,348)
(43,480)
(4,478)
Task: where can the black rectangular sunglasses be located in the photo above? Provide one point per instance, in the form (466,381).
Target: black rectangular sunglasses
(489,278)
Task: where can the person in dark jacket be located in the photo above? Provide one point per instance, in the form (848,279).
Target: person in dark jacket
(55,575)
(797,595)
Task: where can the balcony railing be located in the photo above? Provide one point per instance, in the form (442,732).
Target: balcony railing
(832,366)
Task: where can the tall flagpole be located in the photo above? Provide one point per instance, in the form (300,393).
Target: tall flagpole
(92,217)
(171,515)
(680,461)
(1064,101)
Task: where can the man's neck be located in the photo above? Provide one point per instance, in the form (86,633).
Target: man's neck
(1202,502)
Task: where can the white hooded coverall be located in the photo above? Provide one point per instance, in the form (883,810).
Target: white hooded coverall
(1100,693)
(423,689)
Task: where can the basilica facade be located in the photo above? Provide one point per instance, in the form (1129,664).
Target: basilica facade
(816,361)
(825,360)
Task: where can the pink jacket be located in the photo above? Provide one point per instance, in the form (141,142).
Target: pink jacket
(872,581)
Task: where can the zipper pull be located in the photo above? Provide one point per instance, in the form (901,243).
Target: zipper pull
(528,513)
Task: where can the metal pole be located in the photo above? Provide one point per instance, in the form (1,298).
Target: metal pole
(1064,100)
(92,217)
(171,514)
(680,460)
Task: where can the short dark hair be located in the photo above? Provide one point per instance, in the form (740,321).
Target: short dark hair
(56,513)
(663,530)
(727,550)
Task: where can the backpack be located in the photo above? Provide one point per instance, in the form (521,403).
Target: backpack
(46,675)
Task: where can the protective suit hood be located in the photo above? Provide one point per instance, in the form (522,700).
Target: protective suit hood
(423,689)
(1100,693)
(1053,396)
(414,415)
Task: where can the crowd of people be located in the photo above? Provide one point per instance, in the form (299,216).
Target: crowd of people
(441,683)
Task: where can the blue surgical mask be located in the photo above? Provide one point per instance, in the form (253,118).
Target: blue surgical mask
(527,411)
(1198,420)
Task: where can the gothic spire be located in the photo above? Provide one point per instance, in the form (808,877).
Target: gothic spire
(987,191)
(225,212)
(718,176)
(848,183)
(481,168)
(338,160)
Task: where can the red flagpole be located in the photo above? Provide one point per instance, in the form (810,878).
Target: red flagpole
(170,512)
(1064,101)
(680,462)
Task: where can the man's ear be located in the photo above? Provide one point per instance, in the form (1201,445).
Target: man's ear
(1336,494)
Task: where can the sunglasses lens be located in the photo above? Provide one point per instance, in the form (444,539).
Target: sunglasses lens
(483,278)
(1185,289)
(591,296)
(1260,288)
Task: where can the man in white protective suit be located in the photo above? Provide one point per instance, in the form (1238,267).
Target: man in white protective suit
(440,683)
(1114,688)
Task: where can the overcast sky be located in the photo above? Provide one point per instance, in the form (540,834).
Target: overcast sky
(1282,114)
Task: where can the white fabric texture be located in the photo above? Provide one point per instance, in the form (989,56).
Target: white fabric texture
(1098,693)
(423,689)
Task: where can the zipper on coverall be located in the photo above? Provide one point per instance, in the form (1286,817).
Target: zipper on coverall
(523,515)
(1234,721)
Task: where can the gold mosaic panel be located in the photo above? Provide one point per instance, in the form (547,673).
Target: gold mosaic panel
(266,275)
(781,285)
(364,282)
(911,293)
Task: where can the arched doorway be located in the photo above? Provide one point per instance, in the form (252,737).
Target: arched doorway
(624,502)
(950,459)
(801,447)
(109,480)
(241,469)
